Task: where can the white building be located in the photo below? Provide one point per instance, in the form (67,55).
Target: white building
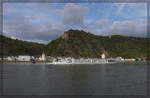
(119,59)
(9,58)
(43,57)
(23,58)
(103,56)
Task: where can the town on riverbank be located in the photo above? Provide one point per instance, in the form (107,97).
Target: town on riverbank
(64,60)
(77,47)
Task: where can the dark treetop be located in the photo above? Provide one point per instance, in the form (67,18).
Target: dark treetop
(15,47)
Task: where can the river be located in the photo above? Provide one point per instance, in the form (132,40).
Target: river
(103,79)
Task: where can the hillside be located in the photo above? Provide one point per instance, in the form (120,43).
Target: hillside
(19,47)
(77,43)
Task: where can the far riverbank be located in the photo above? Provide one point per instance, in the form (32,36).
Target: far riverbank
(41,62)
(22,62)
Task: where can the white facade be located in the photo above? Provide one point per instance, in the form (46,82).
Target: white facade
(119,59)
(83,61)
(23,58)
(103,56)
(9,58)
(43,57)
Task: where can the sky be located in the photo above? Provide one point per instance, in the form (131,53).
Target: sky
(43,22)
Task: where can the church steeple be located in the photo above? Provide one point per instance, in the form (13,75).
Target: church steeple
(43,57)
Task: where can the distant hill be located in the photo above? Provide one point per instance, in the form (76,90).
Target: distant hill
(19,47)
(77,43)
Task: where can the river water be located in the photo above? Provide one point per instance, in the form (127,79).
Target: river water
(103,79)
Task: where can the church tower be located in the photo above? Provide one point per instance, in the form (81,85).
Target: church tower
(43,57)
(103,56)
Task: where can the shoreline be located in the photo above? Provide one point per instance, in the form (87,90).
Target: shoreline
(22,62)
(50,63)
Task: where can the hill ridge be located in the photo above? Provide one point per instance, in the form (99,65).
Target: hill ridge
(78,43)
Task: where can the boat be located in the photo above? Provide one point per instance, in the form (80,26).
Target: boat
(111,60)
(83,61)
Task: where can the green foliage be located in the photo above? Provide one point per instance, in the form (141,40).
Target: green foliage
(19,47)
(83,44)
(79,44)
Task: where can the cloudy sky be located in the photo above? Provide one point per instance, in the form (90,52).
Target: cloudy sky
(43,22)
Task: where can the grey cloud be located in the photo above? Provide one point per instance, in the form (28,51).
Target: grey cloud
(72,15)
(22,28)
(96,26)
(126,28)
(101,23)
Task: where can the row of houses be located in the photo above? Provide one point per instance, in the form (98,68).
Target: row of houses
(43,57)
(24,58)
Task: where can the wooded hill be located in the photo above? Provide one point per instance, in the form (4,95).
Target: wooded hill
(75,43)
(9,47)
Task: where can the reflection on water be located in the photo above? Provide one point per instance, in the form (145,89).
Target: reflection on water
(40,79)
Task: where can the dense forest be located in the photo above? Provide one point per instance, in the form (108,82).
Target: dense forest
(9,47)
(76,43)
